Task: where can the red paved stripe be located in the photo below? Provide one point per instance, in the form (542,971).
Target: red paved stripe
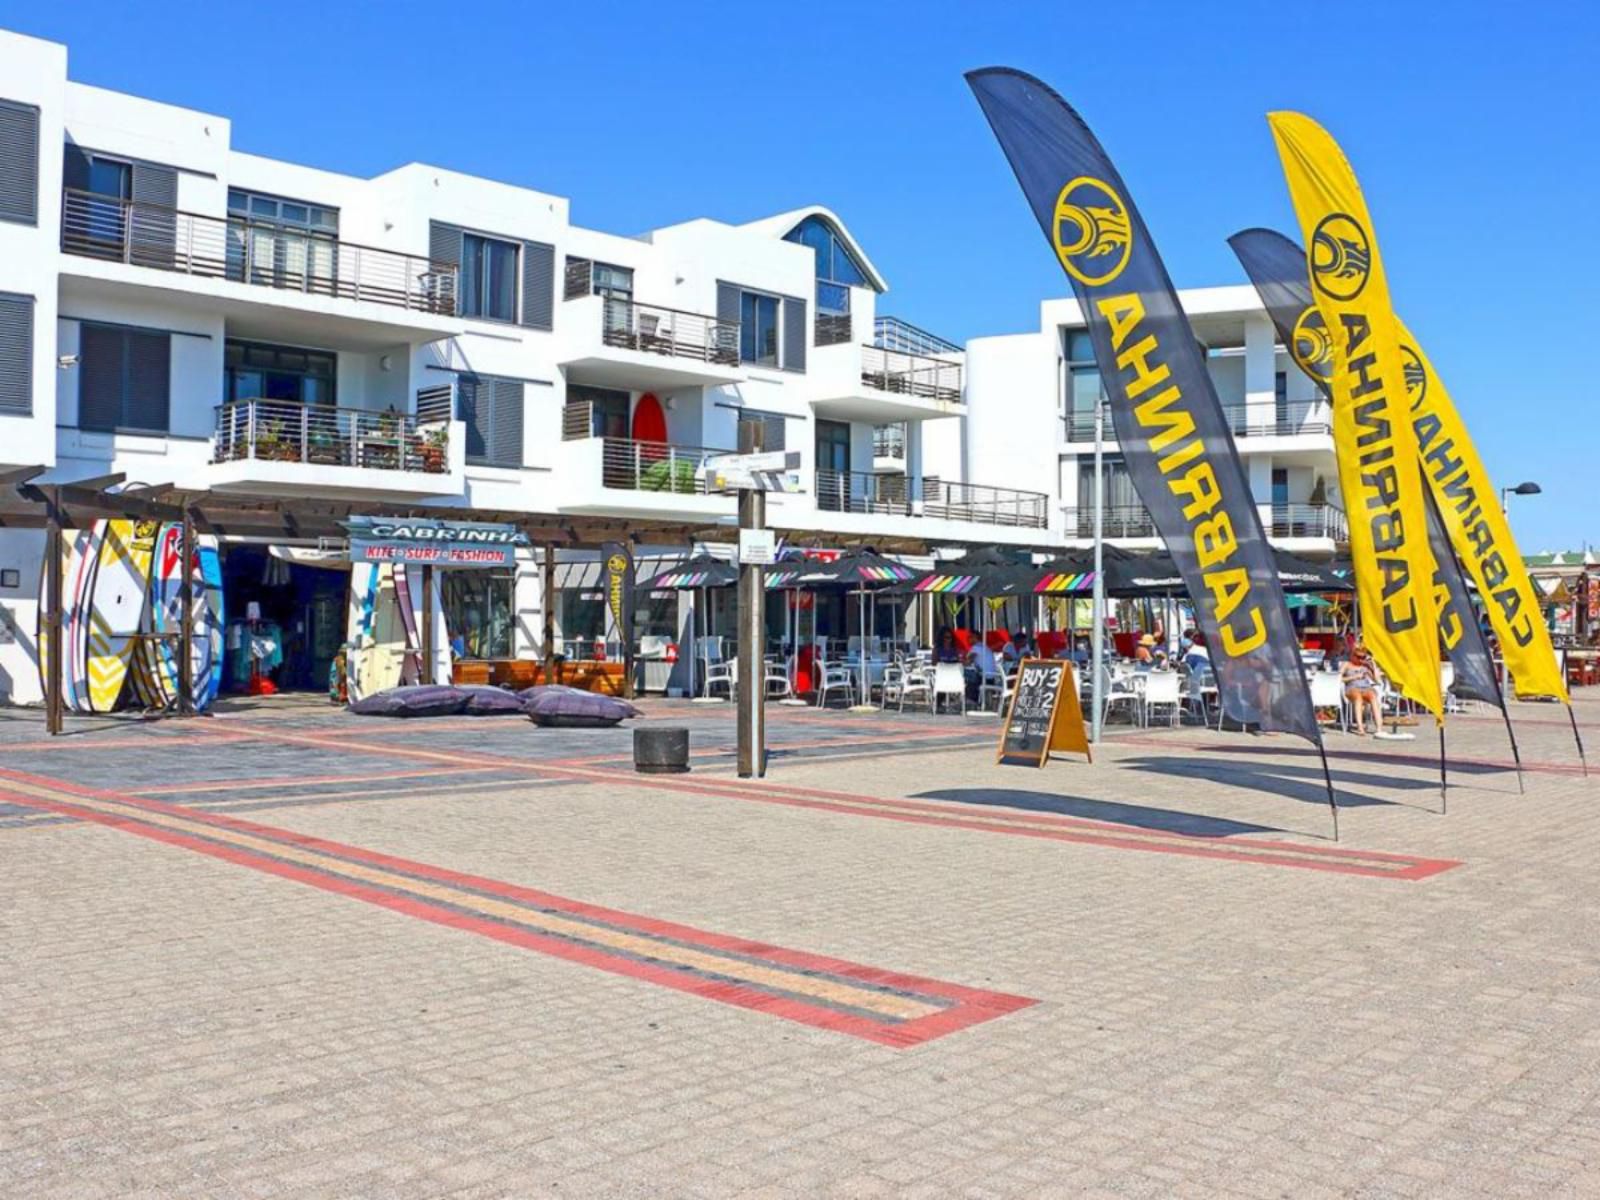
(968,1006)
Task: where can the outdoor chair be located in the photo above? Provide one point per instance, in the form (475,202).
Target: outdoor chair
(725,674)
(1447,680)
(1121,690)
(917,680)
(1203,694)
(776,678)
(993,685)
(1161,691)
(836,677)
(949,680)
(893,681)
(1327,691)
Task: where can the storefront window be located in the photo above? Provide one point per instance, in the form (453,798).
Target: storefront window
(583,617)
(655,614)
(478,613)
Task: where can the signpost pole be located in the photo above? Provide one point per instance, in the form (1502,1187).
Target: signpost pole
(547,600)
(1097,635)
(751,686)
(186,618)
(52,628)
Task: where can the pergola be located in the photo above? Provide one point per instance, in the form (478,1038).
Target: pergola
(56,506)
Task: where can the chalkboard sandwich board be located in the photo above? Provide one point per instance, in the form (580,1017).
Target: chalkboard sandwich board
(1044,714)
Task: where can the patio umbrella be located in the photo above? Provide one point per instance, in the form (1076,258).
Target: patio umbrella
(859,570)
(1299,575)
(976,573)
(697,573)
(1307,600)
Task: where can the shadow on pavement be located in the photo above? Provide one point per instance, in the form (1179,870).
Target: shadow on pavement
(1165,820)
(1304,784)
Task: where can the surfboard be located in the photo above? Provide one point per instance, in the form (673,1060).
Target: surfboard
(385,656)
(208,617)
(75,634)
(411,665)
(75,561)
(358,626)
(117,607)
(155,662)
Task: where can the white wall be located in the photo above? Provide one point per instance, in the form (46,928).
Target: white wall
(1011,381)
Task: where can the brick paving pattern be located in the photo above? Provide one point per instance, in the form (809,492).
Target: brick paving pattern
(1414,1016)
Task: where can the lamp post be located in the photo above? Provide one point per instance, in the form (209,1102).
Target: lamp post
(1527,488)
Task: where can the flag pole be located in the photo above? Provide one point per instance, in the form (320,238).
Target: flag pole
(1505,712)
(1327,777)
(1097,607)
(1444,785)
(1573,717)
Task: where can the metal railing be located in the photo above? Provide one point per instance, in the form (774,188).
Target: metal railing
(1283,521)
(654,466)
(169,239)
(630,325)
(891,333)
(1308,520)
(286,431)
(889,441)
(910,374)
(1300,417)
(833,329)
(910,496)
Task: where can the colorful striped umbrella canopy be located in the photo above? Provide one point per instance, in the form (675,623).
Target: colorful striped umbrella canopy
(701,571)
(857,569)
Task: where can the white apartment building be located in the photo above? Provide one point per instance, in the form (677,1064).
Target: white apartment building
(183,313)
(1036,393)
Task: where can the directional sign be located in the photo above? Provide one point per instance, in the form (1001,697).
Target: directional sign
(765,471)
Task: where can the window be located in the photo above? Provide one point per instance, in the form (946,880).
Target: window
(608,409)
(835,263)
(1084,389)
(1280,400)
(488,278)
(613,281)
(758,329)
(1280,487)
(19,163)
(583,619)
(491,409)
(261,372)
(278,242)
(16,354)
(124,379)
(1120,492)
(478,612)
(833,446)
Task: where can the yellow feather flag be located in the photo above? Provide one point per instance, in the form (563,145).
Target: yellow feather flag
(1378,469)
(1478,529)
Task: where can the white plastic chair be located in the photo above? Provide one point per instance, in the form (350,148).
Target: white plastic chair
(1327,691)
(836,677)
(724,673)
(775,679)
(1161,690)
(1121,690)
(949,679)
(994,685)
(917,680)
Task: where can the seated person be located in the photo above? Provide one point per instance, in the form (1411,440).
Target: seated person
(1144,652)
(1360,678)
(1197,655)
(946,651)
(980,665)
(1016,649)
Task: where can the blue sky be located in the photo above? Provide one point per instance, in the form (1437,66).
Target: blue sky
(1472,127)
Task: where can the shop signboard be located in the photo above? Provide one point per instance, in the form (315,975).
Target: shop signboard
(430,541)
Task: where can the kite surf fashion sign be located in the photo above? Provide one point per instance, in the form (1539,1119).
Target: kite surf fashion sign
(429,541)
(1173,435)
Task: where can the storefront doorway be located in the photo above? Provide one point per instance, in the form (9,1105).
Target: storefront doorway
(286,620)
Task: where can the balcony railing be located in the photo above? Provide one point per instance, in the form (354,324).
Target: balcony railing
(654,466)
(169,239)
(1299,417)
(910,374)
(285,431)
(910,496)
(629,325)
(1284,521)
(891,333)
(889,441)
(1308,521)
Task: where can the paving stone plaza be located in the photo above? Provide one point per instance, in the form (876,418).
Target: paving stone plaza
(284,951)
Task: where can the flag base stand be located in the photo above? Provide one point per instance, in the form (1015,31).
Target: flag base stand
(709,700)
(793,703)
(863,708)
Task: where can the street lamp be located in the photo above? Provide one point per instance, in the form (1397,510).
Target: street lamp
(1522,489)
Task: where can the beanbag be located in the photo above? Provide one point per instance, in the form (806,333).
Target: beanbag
(556,706)
(486,700)
(415,700)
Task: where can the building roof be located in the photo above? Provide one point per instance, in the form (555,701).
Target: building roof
(780,224)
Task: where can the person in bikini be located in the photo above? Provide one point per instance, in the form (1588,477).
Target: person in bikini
(1361,688)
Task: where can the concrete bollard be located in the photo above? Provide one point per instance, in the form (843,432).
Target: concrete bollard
(660,749)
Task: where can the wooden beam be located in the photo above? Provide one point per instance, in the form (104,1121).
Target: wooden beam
(16,475)
(53,547)
(96,483)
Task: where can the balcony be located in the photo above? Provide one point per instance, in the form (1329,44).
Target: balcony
(624,343)
(306,447)
(1244,421)
(1281,521)
(870,383)
(655,466)
(910,496)
(141,234)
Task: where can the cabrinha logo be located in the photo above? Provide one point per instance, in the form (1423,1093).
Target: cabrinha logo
(1311,346)
(1091,232)
(1341,256)
(1416,375)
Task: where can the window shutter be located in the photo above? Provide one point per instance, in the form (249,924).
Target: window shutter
(579,278)
(794,334)
(444,243)
(148,389)
(99,377)
(505,424)
(727,302)
(16,354)
(538,285)
(19,163)
(153,228)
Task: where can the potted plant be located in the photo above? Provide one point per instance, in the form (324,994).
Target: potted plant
(435,444)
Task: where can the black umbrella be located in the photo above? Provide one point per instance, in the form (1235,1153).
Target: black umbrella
(701,571)
(858,570)
(982,572)
(1297,575)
